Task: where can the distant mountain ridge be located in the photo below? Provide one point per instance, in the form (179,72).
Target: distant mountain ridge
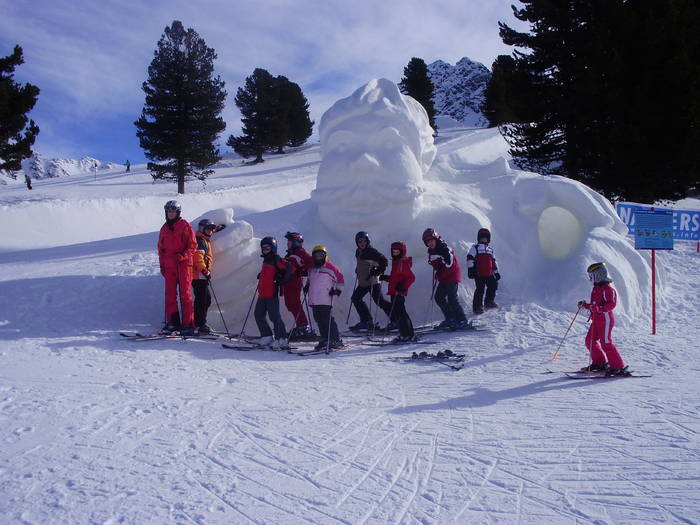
(39,167)
(460,90)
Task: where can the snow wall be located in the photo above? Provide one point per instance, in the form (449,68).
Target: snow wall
(379,173)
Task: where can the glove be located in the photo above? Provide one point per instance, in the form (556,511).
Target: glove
(471,272)
(375,271)
(497,276)
(583,304)
(207,274)
(399,288)
(258,277)
(383,277)
(334,291)
(306,288)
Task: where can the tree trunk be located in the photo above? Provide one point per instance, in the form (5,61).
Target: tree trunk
(259,158)
(181,177)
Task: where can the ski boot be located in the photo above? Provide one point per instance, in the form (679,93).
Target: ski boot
(478,310)
(445,325)
(596,368)
(280,344)
(337,343)
(321,345)
(188,332)
(461,325)
(617,372)
(490,304)
(204,329)
(391,327)
(301,332)
(264,341)
(364,325)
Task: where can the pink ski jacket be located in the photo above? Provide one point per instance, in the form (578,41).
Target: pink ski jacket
(321,280)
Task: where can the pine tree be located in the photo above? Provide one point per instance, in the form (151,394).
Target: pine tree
(417,84)
(17,132)
(614,91)
(258,102)
(507,98)
(180,121)
(299,125)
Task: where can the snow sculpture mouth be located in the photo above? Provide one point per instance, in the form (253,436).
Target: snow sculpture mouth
(559,233)
(376,145)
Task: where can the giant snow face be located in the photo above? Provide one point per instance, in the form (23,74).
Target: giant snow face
(376,145)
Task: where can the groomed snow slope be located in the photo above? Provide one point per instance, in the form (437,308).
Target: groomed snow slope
(98,429)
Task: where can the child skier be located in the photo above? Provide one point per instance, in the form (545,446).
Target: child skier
(400,279)
(448,275)
(370,265)
(599,336)
(176,245)
(300,260)
(274,273)
(482,267)
(325,282)
(203,261)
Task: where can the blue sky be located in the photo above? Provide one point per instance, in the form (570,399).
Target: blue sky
(89,58)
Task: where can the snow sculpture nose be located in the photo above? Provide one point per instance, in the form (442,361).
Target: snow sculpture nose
(559,232)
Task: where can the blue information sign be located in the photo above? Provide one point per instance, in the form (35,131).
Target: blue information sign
(653,230)
(686,223)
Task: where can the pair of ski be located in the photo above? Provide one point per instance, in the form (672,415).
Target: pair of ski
(420,330)
(442,358)
(137,336)
(582,374)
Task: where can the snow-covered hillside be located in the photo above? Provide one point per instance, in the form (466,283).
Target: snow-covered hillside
(39,167)
(99,429)
(460,90)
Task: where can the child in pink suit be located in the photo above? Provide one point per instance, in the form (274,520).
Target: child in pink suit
(604,354)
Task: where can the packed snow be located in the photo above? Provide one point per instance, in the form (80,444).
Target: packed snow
(100,429)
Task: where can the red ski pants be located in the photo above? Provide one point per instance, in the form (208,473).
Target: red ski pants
(180,275)
(291,292)
(599,341)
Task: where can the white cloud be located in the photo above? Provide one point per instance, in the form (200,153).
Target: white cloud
(90,58)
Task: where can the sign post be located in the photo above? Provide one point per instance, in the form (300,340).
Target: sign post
(653,231)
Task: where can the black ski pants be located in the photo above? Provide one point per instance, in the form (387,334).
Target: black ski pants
(490,284)
(446,298)
(399,315)
(202,301)
(323,315)
(269,307)
(358,301)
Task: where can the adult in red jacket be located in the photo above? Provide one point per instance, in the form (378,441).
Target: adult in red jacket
(448,275)
(400,279)
(176,246)
(604,354)
(300,261)
(275,272)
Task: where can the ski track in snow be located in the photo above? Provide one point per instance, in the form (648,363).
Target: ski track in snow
(99,429)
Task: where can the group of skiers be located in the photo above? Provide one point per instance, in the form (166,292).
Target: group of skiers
(186,262)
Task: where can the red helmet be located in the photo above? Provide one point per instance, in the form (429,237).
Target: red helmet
(398,246)
(483,232)
(430,233)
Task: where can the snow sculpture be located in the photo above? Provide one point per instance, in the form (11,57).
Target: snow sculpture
(376,145)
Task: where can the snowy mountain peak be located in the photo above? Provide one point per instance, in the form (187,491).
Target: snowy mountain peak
(459,90)
(39,167)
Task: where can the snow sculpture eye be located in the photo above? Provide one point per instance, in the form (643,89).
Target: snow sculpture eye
(559,233)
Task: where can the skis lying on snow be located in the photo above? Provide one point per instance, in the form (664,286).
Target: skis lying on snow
(136,336)
(442,358)
(320,351)
(600,375)
(418,330)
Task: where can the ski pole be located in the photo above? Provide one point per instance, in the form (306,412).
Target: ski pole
(330,319)
(255,293)
(556,354)
(308,313)
(429,308)
(354,286)
(228,334)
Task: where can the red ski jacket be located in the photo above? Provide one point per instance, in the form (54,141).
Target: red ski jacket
(176,244)
(445,264)
(275,272)
(301,261)
(401,273)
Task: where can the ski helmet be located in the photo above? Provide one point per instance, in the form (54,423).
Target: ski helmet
(271,242)
(430,233)
(398,246)
(483,232)
(319,249)
(172,206)
(205,224)
(360,235)
(598,273)
(296,238)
